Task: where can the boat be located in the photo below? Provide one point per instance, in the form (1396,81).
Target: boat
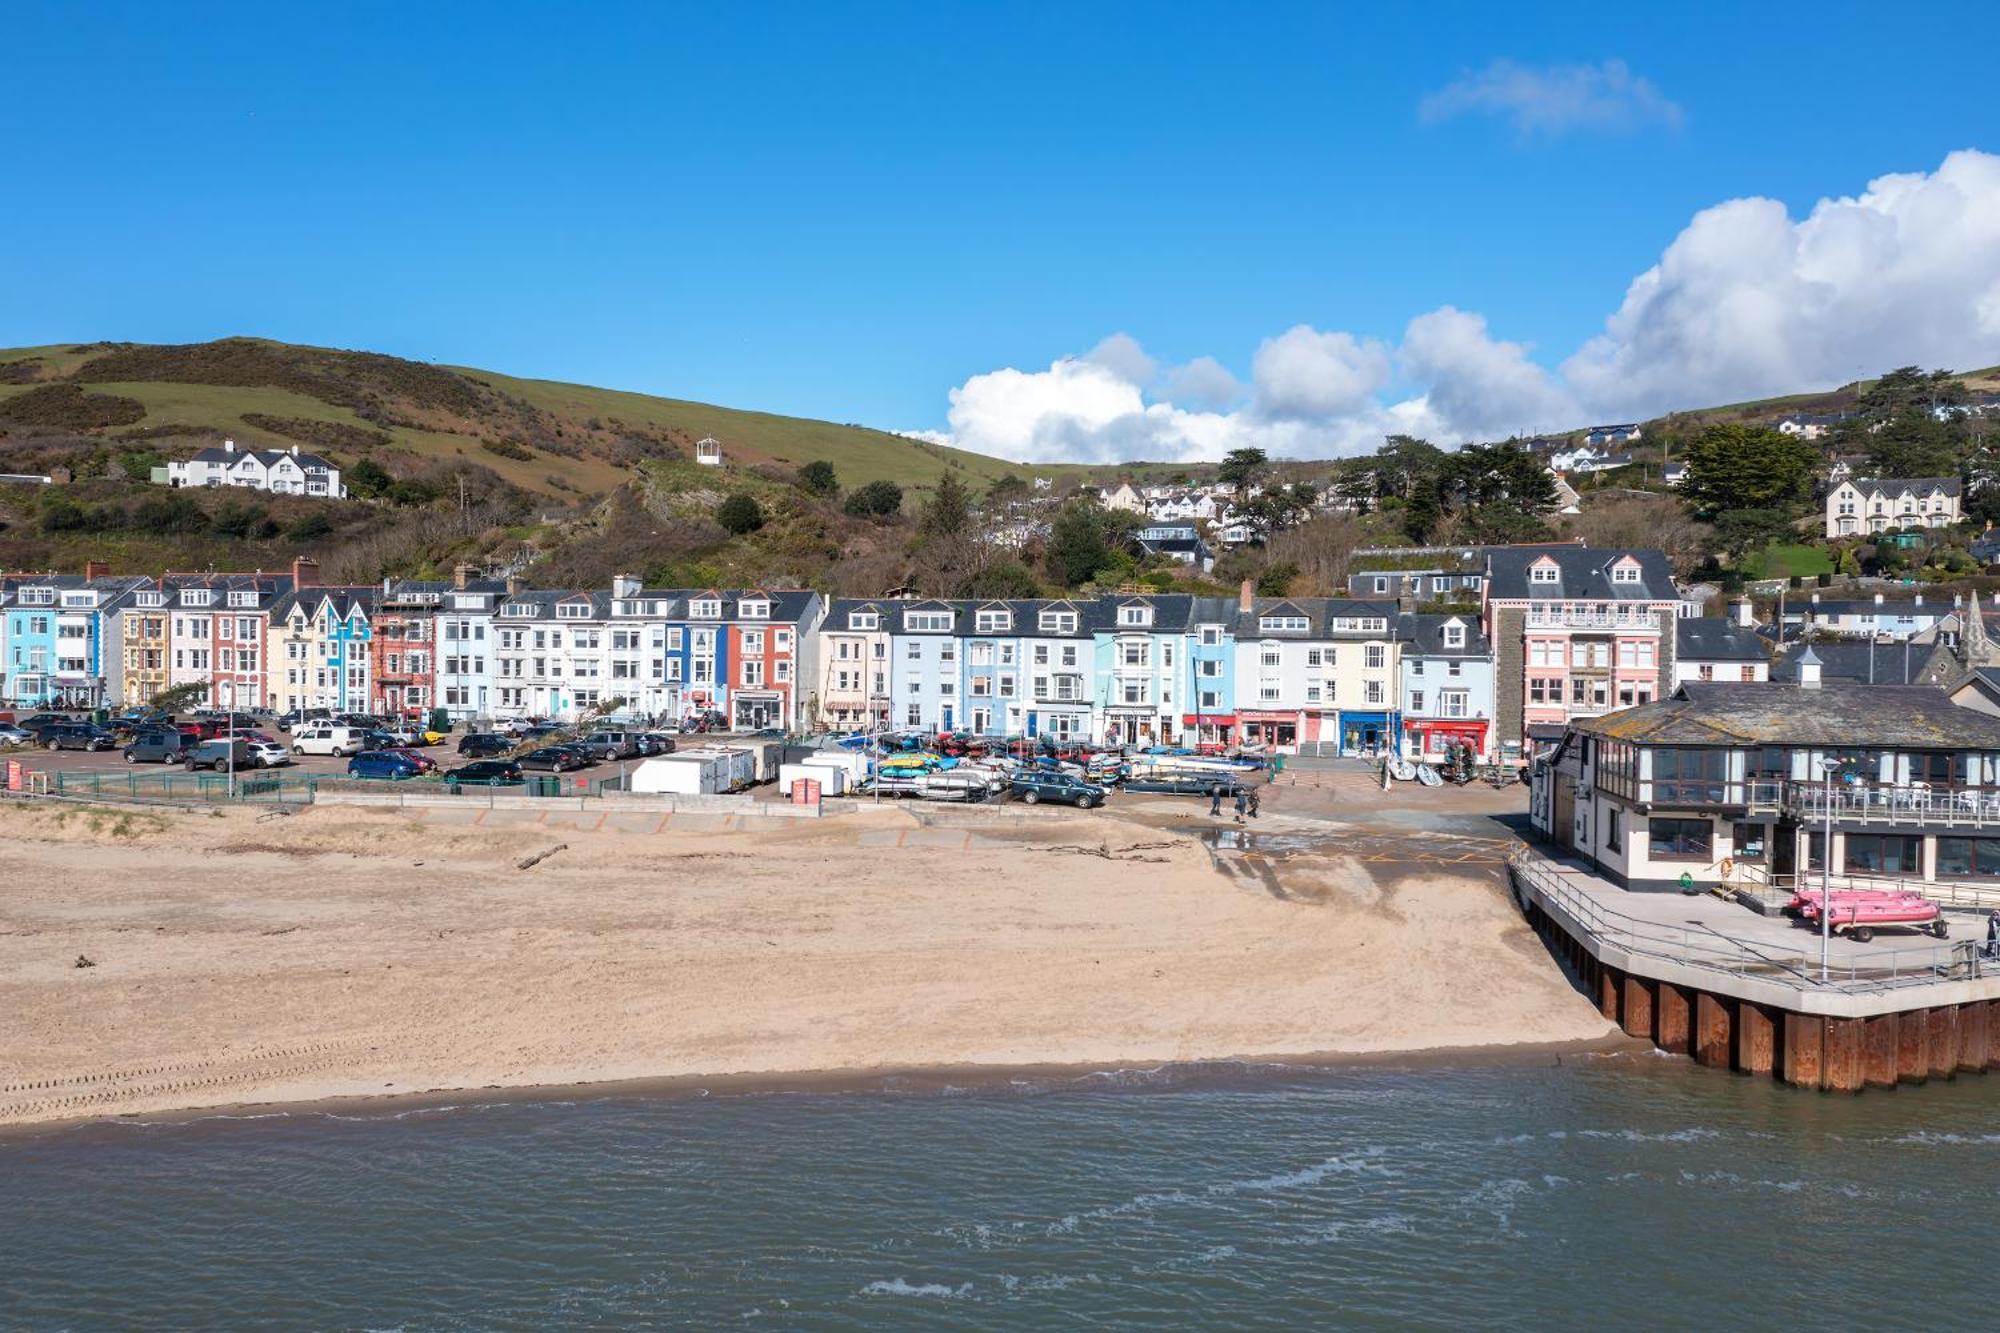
(1429,776)
(1857,913)
(1402,770)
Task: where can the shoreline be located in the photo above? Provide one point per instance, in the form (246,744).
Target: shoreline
(887,1080)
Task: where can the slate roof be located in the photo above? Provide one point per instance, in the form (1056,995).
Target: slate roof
(1424,635)
(1714,639)
(229,458)
(1584,574)
(1893,488)
(1893,663)
(1320,614)
(1839,716)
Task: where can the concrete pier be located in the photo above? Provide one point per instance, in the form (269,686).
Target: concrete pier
(1753,1002)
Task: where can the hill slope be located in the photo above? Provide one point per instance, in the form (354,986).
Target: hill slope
(541,436)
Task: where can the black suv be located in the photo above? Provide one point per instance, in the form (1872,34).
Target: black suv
(78,736)
(484,744)
(1058,787)
(486,773)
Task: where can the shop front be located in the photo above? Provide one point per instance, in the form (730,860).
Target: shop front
(1276,730)
(1215,730)
(1431,740)
(753,710)
(1367,733)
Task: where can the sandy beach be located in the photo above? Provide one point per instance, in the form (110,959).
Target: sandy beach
(348,952)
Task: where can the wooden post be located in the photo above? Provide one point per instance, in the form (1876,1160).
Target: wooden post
(1841,1069)
(1879,1052)
(1974,1034)
(1804,1062)
(1756,1039)
(1711,1031)
(1913,1062)
(1607,993)
(1941,1041)
(1636,1012)
(1673,1023)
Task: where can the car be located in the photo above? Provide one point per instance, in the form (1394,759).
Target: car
(610,744)
(269,754)
(13,735)
(653,742)
(1037,785)
(432,736)
(424,763)
(158,747)
(221,755)
(386,764)
(402,733)
(79,736)
(538,731)
(328,738)
(768,733)
(484,744)
(555,759)
(374,738)
(486,773)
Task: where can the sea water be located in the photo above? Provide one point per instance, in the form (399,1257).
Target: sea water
(1629,1190)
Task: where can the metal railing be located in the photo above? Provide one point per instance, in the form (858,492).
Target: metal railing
(1854,968)
(1914,803)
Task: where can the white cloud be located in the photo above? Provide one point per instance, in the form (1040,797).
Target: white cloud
(1555,99)
(1745,303)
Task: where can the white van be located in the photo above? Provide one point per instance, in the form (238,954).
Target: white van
(326,738)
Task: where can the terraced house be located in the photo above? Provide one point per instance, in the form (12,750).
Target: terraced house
(852,688)
(1141,658)
(1318,675)
(320,649)
(218,633)
(59,637)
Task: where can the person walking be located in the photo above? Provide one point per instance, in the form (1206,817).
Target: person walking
(1240,805)
(1275,767)
(1254,802)
(1215,800)
(1993,933)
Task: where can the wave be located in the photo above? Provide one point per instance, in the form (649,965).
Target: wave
(896,1286)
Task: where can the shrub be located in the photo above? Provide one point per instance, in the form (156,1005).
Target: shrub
(878,499)
(507,449)
(310,528)
(818,478)
(170,513)
(740,513)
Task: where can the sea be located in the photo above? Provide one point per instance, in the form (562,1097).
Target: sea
(1622,1189)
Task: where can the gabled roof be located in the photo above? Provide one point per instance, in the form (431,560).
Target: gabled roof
(1424,634)
(1896,488)
(1890,663)
(1836,715)
(1583,574)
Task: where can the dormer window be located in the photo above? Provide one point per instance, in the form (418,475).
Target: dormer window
(1454,636)
(1057,622)
(573,610)
(195,597)
(753,609)
(150,599)
(243,599)
(992,621)
(1625,572)
(927,622)
(38,597)
(1135,617)
(706,608)
(1545,572)
(862,620)
(1283,624)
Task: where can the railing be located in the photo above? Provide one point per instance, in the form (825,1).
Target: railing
(1756,793)
(1914,803)
(1854,968)
(1543,618)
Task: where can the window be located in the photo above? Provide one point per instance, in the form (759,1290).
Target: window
(915,716)
(1375,657)
(1269,659)
(1372,692)
(1679,839)
(1544,573)
(1614,820)
(1211,635)
(574,610)
(754,609)
(927,622)
(1750,841)
(1625,573)
(1885,854)
(706,608)
(1416,701)
(913,651)
(1057,622)
(1282,625)
(863,620)
(1959,858)
(1135,615)
(991,622)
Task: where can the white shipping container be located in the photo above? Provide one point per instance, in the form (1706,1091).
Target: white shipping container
(832,781)
(851,762)
(695,772)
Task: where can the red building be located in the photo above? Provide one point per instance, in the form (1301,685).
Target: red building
(402,654)
(770,642)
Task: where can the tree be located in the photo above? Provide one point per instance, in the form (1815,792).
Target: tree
(169,513)
(1004,578)
(310,528)
(878,499)
(818,478)
(245,522)
(180,698)
(1356,488)
(1007,489)
(411,492)
(740,513)
(1897,424)
(1403,463)
(1744,532)
(1240,468)
(368,479)
(1747,467)
(1080,542)
(59,513)
(1276,579)
(947,515)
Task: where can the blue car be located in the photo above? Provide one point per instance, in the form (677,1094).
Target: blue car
(382,764)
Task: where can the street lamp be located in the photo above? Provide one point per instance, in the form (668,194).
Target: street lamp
(1828,766)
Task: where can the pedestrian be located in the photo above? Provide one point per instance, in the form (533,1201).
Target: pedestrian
(1254,802)
(1993,933)
(1240,805)
(1276,767)
(1215,800)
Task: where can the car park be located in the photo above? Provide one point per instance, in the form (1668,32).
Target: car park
(1035,786)
(221,755)
(484,744)
(78,736)
(386,764)
(157,747)
(486,773)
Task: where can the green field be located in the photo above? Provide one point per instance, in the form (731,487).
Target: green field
(1784,562)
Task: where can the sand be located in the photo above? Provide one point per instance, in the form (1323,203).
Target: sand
(345,952)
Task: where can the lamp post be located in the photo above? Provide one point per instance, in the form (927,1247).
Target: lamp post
(1827,767)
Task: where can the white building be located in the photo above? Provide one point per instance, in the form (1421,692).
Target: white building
(1858,506)
(708,451)
(280,471)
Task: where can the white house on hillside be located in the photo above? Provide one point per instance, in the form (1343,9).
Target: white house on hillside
(280,471)
(1857,505)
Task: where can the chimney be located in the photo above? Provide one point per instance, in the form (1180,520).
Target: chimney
(305,572)
(295,451)
(514,585)
(1920,599)
(624,586)
(229,446)
(1746,615)
(1815,598)
(1808,665)
(1878,599)
(460,576)
(1246,597)
(96,569)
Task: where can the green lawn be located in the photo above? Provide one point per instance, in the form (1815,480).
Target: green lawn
(1784,562)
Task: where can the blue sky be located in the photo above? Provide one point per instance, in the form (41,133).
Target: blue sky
(848,213)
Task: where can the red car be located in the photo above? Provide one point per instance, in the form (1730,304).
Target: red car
(424,763)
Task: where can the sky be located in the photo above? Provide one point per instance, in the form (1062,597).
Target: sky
(1062,232)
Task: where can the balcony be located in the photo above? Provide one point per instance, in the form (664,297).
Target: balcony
(1913,805)
(1759,794)
(1540,617)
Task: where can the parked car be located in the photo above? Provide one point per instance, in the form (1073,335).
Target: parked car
(403,733)
(269,754)
(79,736)
(610,744)
(382,764)
(329,738)
(13,735)
(424,763)
(556,759)
(157,747)
(653,742)
(482,744)
(298,717)
(220,755)
(1037,785)
(486,773)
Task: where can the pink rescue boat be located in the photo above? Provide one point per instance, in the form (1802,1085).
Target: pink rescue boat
(1857,913)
